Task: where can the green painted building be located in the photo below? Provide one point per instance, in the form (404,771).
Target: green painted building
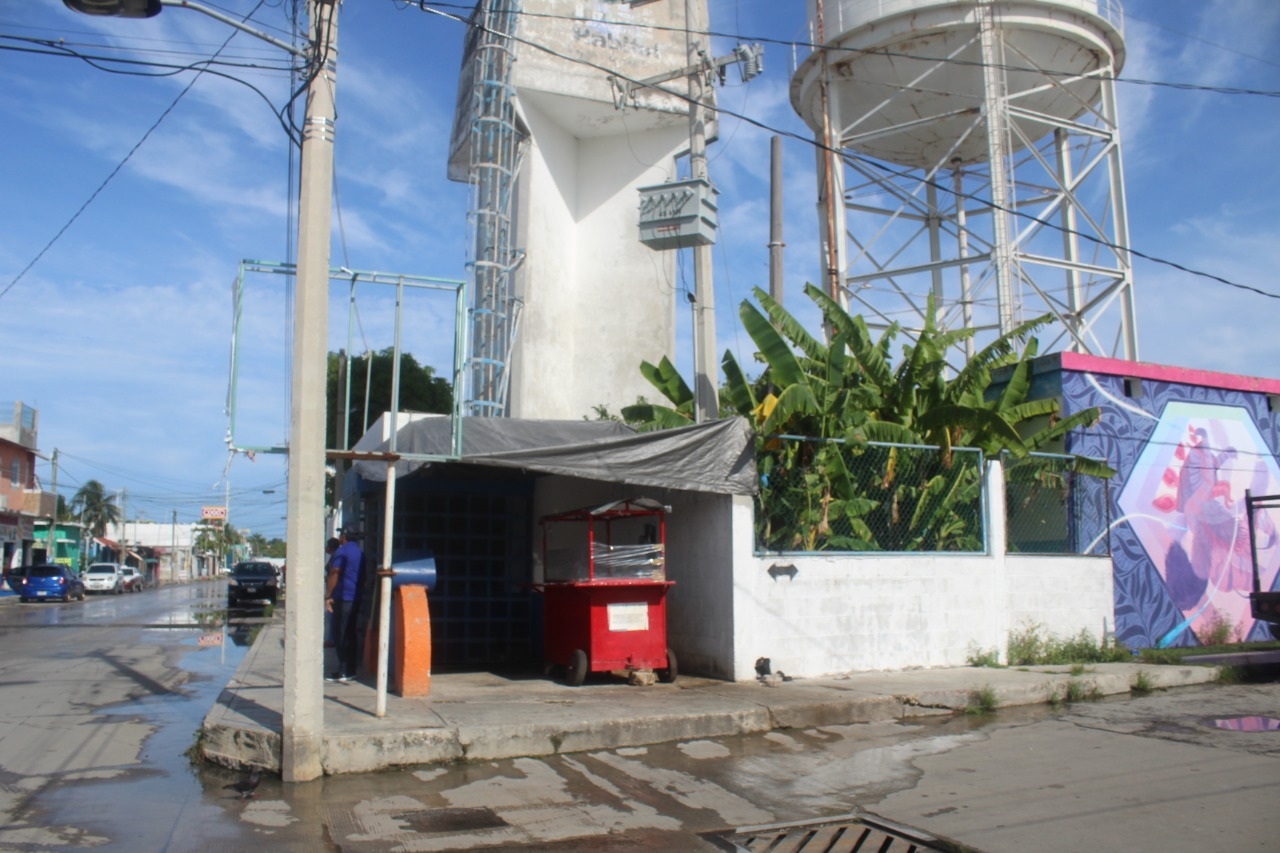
(68,540)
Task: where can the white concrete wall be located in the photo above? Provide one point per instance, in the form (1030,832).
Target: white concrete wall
(596,301)
(1061,595)
(700,608)
(846,613)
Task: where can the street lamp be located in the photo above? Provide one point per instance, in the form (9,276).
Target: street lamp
(151,8)
(303,723)
(116,8)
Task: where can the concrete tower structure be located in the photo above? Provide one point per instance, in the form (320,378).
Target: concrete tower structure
(567,301)
(978,161)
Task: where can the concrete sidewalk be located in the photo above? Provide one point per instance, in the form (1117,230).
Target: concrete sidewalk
(482,716)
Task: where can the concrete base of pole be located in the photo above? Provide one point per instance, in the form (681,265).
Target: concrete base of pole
(301,755)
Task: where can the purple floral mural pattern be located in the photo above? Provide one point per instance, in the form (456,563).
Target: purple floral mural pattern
(1179,540)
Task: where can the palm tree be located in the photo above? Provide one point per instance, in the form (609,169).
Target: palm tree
(95,508)
(258,544)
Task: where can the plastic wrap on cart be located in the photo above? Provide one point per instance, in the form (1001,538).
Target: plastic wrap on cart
(637,562)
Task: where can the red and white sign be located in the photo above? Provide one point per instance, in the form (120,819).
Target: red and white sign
(216,513)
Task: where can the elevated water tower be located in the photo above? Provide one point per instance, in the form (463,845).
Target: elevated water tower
(977,158)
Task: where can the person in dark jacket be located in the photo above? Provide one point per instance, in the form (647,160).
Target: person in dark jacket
(342,600)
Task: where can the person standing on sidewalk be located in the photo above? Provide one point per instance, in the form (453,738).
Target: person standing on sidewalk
(330,548)
(342,601)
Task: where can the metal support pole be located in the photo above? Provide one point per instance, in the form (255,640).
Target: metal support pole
(303,722)
(966,288)
(1120,213)
(934,223)
(1070,243)
(996,109)
(385,574)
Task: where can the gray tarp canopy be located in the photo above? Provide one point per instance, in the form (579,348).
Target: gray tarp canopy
(718,456)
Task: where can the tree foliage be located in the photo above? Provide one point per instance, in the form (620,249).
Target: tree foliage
(420,391)
(95,507)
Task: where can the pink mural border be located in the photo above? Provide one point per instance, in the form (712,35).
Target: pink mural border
(1184,375)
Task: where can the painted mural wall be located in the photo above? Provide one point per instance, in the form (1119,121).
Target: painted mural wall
(1185,454)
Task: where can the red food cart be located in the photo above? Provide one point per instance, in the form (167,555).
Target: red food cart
(605,590)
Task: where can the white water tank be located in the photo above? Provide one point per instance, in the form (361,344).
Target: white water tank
(907,81)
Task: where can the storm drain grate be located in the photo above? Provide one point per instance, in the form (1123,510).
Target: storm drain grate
(453,820)
(860,833)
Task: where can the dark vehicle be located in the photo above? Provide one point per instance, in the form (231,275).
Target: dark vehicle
(14,577)
(1264,604)
(50,581)
(252,581)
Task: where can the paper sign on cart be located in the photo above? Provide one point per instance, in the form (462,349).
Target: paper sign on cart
(629,617)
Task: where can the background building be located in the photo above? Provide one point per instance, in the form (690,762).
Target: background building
(22,501)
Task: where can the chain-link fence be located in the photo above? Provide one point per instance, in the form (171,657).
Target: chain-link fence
(1051,509)
(833,496)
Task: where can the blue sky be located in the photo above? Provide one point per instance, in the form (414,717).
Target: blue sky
(119,333)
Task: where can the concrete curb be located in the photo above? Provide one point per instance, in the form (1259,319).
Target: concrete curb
(485,717)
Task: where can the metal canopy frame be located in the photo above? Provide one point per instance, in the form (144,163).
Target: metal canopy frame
(400,281)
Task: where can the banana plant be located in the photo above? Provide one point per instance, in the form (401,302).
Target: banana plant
(848,494)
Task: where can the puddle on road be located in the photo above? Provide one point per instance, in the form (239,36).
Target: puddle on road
(175,792)
(1255,723)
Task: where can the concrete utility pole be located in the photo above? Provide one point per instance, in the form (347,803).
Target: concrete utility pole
(50,544)
(303,696)
(303,723)
(827,168)
(776,274)
(706,398)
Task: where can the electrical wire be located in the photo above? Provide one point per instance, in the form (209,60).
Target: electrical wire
(127,157)
(424,6)
(812,47)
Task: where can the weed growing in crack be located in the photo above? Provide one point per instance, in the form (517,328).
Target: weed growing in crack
(982,701)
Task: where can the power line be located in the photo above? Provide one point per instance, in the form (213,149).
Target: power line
(792,43)
(844,153)
(111,176)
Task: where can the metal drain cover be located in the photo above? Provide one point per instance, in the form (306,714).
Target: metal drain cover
(853,833)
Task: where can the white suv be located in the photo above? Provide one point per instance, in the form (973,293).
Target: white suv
(104,577)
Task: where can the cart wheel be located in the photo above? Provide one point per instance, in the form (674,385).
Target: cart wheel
(668,675)
(577,669)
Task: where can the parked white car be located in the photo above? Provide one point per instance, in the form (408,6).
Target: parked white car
(104,577)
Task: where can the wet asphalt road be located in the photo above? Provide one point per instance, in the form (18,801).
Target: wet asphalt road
(100,700)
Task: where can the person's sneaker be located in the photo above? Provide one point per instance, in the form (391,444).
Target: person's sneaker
(335,676)
(345,677)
